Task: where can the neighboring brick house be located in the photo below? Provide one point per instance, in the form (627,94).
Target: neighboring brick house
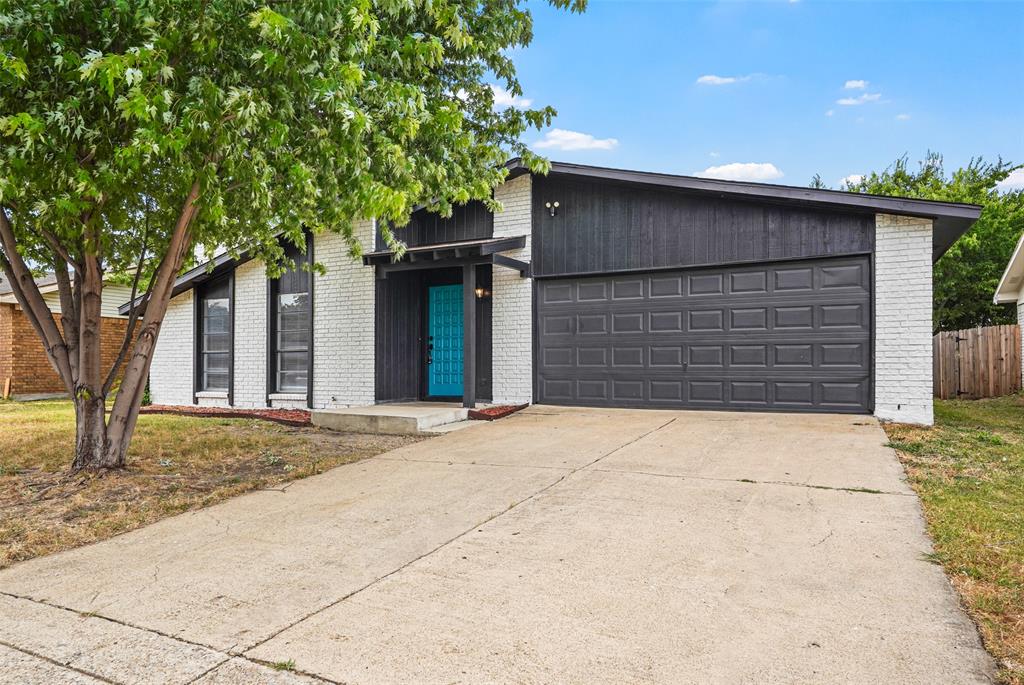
(24,367)
(593,287)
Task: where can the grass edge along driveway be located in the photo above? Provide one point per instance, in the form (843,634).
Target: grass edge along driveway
(968,470)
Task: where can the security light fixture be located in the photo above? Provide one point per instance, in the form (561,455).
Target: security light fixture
(552,207)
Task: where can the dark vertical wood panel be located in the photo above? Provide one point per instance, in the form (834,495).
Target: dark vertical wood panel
(398,354)
(467,222)
(605,226)
(469,341)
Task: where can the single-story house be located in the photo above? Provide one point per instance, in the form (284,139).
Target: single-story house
(594,287)
(1011,286)
(25,372)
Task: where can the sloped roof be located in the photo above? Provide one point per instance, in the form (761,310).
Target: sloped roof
(950,219)
(42,282)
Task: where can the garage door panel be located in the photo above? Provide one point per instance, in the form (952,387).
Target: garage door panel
(790,336)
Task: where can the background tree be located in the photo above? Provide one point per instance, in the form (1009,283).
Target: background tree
(965,278)
(132,131)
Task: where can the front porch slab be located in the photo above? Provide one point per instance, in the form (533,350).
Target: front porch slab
(391,419)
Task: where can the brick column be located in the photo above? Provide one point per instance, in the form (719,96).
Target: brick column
(903,319)
(512,305)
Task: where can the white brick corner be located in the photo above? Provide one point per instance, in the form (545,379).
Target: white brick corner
(343,322)
(903,319)
(1020,322)
(170,373)
(512,303)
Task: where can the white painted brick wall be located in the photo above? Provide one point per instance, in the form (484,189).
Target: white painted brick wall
(343,323)
(512,304)
(286,401)
(170,374)
(251,335)
(903,319)
(1020,322)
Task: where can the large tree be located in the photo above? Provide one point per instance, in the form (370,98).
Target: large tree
(965,278)
(133,131)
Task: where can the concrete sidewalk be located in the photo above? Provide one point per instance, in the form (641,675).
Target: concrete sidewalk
(558,545)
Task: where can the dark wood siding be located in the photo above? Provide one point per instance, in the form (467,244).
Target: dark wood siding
(398,359)
(468,222)
(608,227)
(400,332)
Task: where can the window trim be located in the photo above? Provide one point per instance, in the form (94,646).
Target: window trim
(271,376)
(197,339)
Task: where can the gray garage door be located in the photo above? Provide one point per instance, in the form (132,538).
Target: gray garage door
(789,336)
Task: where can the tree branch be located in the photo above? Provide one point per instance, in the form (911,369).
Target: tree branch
(133,312)
(68,313)
(26,292)
(124,414)
(59,249)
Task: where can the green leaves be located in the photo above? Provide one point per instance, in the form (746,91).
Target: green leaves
(293,116)
(966,276)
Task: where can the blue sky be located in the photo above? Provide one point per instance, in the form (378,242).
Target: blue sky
(835,88)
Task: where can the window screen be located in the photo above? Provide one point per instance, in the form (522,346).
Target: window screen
(215,337)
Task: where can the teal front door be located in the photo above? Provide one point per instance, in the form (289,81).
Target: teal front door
(444,341)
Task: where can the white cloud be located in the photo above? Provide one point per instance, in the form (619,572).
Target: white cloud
(830,112)
(852,179)
(560,139)
(855,84)
(714,155)
(860,99)
(742,171)
(712,80)
(1015,181)
(504,99)
(902,117)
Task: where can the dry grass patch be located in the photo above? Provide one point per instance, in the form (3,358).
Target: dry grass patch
(969,473)
(175,464)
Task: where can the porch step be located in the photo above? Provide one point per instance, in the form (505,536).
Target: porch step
(390,419)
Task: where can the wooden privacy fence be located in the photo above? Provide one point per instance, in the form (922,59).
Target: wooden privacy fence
(977,362)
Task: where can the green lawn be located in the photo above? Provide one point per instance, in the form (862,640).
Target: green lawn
(969,473)
(175,463)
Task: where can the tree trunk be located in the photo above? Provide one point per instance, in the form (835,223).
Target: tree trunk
(90,434)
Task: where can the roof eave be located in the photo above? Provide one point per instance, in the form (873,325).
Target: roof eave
(950,219)
(1010,283)
(193,277)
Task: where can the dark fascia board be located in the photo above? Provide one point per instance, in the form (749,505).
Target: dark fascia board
(950,219)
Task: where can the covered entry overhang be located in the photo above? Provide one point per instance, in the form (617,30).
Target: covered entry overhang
(443,255)
(465,257)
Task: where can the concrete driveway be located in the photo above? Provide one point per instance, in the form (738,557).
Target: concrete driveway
(555,546)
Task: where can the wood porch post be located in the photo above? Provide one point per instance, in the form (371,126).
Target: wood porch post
(469,335)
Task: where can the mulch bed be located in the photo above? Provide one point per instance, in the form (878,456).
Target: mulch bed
(492,413)
(286,417)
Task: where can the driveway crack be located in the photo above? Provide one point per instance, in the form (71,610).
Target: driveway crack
(514,505)
(55,662)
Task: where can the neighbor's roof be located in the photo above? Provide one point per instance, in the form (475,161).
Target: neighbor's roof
(47,283)
(951,219)
(1010,284)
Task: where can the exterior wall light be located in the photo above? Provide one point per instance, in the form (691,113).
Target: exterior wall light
(481,293)
(552,207)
